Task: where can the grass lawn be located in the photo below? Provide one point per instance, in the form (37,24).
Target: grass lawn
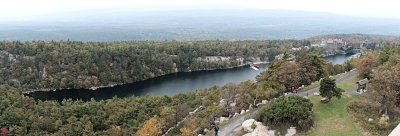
(331,119)
(316,84)
(349,84)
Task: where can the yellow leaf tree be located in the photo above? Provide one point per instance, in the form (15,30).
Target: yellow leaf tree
(152,127)
(366,64)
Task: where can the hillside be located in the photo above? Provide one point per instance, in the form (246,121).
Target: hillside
(357,36)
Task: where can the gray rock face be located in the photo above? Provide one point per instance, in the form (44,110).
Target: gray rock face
(259,104)
(291,131)
(233,104)
(264,101)
(242,112)
(384,117)
(196,110)
(222,119)
(222,102)
(246,125)
(260,129)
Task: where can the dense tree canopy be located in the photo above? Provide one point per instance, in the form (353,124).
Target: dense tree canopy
(301,71)
(385,84)
(68,64)
(74,64)
(23,115)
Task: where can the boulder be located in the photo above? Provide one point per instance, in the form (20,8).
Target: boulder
(316,93)
(222,102)
(250,106)
(222,119)
(248,134)
(206,130)
(233,104)
(247,110)
(291,131)
(271,132)
(258,123)
(370,119)
(260,130)
(246,125)
(385,117)
(216,121)
(264,101)
(236,114)
(191,113)
(324,100)
(196,110)
(200,108)
(242,112)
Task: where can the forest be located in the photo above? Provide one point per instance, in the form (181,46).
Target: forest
(48,65)
(153,115)
(67,62)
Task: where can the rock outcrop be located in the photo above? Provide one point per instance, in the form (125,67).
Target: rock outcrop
(246,125)
(259,130)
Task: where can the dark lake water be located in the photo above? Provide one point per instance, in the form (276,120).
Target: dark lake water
(168,84)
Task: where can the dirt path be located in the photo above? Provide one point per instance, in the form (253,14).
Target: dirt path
(235,125)
(232,127)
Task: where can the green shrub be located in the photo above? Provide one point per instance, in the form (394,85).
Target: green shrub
(292,110)
(361,111)
(253,126)
(176,130)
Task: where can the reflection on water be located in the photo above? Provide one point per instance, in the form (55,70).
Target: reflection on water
(164,85)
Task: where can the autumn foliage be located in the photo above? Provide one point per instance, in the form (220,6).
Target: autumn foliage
(366,64)
(152,127)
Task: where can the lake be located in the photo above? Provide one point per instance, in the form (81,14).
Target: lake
(169,84)
(338,58)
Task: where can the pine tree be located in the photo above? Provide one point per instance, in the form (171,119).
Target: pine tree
(329,89)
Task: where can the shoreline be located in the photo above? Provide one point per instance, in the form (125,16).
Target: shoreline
(94,88)
(323,55)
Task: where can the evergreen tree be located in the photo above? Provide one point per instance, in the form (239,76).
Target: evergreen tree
(329,89)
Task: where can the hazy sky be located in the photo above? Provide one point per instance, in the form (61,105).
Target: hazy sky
(15,9)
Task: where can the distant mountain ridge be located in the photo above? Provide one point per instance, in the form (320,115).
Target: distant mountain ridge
(356,36)
(194,25)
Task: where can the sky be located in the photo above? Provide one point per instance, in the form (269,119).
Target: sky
(28,9)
